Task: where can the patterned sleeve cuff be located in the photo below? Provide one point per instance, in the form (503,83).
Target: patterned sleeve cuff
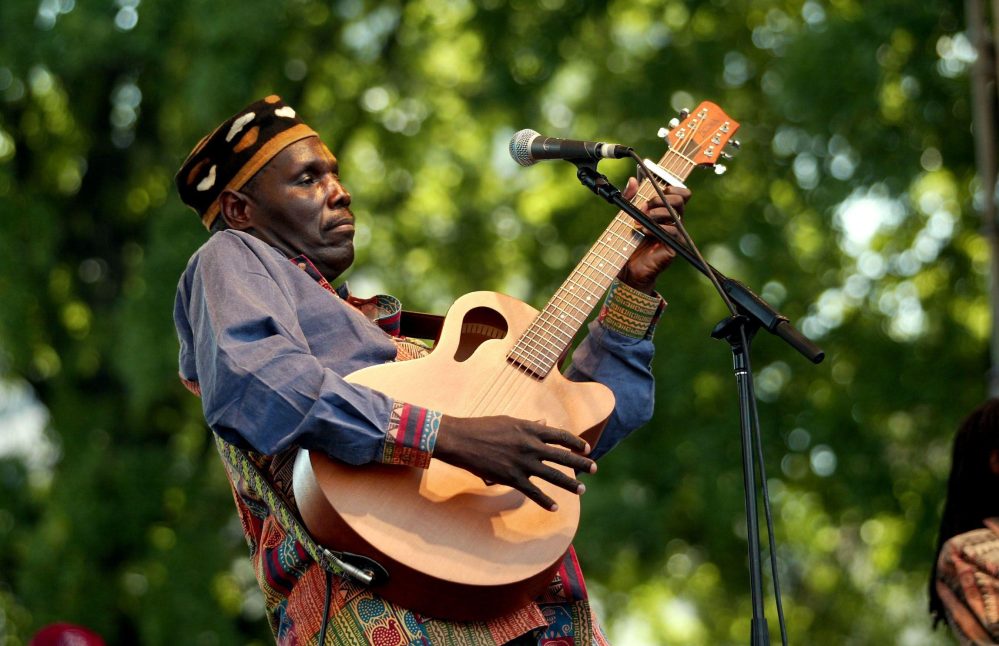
(630,312)
(411,435)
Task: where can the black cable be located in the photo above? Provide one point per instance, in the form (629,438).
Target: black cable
(767,512)
(683,232)
(326,608)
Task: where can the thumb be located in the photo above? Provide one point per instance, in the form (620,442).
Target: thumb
(630,189)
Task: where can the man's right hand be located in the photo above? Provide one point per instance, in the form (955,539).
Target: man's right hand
(505,450)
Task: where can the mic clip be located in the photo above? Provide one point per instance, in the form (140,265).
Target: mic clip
(591,178)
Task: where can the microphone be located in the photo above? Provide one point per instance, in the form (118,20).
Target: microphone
(528,147)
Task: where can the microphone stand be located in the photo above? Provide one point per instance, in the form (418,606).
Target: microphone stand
(749,314)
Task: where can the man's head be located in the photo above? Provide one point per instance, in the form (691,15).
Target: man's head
(265,172)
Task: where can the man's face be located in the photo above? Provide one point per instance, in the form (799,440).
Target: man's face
(297,204)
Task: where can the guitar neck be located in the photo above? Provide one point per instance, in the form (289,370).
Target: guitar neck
(549,336)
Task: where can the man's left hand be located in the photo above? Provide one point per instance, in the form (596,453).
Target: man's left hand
(652,257)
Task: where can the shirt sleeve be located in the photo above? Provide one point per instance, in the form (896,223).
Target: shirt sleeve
(262,388)
(968,585)
(618,353)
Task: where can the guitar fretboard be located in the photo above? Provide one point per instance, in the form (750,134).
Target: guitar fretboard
(540,347)
(696,141)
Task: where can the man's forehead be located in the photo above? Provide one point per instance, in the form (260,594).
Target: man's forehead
(300,154)
(306,151)
(329,153)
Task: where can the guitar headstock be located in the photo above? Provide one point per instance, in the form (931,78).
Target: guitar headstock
(699,137)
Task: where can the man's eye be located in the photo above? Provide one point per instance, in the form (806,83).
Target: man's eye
(307,179)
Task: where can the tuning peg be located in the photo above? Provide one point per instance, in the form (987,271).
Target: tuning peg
(735,143)
(720,169)
(725,155)
(662,133)
(684,113)
(673,123)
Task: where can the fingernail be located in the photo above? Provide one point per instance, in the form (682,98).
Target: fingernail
(581,489)
(554,507)
(593,467)
(586,449)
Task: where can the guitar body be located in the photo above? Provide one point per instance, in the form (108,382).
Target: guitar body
(454,547)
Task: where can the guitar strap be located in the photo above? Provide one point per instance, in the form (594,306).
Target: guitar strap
(358,567)
(419,325)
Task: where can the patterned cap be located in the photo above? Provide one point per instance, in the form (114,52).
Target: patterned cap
(235,151)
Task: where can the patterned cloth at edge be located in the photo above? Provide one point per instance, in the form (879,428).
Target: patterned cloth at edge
(968,584)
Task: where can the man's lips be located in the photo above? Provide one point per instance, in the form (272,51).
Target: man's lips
(341,224)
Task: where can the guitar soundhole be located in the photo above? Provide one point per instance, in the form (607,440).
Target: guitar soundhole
(480,324)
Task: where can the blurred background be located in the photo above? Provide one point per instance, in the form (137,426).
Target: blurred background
(853,206)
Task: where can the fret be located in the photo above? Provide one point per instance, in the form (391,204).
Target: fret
(535,334)
(570,303)
(533,353)
(562,316)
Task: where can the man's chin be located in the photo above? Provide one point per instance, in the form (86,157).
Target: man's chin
(335,261)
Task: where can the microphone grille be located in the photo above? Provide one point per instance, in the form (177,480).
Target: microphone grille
(520,147)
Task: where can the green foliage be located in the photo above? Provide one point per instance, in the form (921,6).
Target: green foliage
(849,207)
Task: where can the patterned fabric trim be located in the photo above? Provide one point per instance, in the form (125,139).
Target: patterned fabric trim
(630,312)
(571,576)
(968,584)
(303,263)
(192,386)
(407,348)
(411,435)
(384,310)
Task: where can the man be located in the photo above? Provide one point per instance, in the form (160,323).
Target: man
(266,341)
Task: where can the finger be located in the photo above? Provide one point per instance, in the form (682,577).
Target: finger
(662,216)
(569,459)
(551,435)
(657,206)
(561,479)
(630,189)
(538,496)
(682,193)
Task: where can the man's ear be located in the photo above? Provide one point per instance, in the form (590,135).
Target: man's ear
(235,208)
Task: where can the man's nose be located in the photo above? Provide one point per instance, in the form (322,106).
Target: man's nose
(338,196)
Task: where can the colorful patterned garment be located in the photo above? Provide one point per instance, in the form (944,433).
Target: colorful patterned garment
(241,299)
(968,584)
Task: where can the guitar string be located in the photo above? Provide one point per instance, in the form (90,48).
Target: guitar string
(598,251)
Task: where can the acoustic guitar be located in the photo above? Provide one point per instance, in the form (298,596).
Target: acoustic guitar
(456,548)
